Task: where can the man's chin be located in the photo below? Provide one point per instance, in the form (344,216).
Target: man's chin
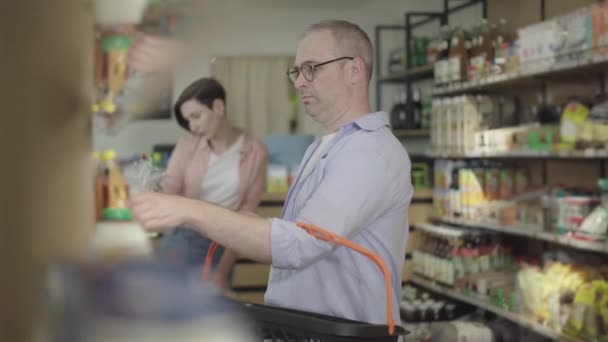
(312,113)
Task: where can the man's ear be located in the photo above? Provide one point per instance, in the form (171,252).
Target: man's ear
(357,69)
(218,106)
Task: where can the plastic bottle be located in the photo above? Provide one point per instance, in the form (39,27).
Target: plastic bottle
(116,236)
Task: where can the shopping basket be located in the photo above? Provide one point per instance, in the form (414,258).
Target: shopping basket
(288,325)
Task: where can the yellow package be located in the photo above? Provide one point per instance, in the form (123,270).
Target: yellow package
(602,309)
(573,117)
(600,132)
(584,321)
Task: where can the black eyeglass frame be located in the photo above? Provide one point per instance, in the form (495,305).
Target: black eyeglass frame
(313,68)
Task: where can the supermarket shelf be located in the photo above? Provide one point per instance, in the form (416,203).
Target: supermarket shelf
(580,70)
(414,74)
(523,155)
(530,232)
(412,133)
(514,317)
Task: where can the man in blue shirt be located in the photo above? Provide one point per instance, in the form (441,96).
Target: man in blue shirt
(355,182)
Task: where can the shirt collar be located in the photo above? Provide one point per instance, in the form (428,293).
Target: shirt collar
(372,121)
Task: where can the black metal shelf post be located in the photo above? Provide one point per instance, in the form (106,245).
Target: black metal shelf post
(377,33)
(410,24)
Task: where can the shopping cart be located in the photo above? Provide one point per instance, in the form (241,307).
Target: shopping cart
(287,325)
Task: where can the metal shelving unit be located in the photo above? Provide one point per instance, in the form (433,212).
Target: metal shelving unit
(522,155)
(412,21)
(413,74)
(584,70)
(531,232)
(520,319)
(589,70)
(405,133)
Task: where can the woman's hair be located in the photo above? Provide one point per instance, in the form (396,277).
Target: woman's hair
(205,91)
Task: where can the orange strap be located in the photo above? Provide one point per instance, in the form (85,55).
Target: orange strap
(209,261)
(326,235)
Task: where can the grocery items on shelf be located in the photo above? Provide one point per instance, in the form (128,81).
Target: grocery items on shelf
(549,294)
(488,125)
(500,193)
(551,290)
(474,53)
(409,113)
(418,305)
(423,52)
(474,190)
(456,257)
(571,39)
(459,124)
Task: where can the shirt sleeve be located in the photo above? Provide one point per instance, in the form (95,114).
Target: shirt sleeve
(255,190)
(352,194)
(173,181)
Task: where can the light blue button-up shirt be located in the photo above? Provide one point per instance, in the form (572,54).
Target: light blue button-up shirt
(359,189)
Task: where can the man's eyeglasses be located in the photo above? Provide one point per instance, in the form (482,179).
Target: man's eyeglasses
(308,71)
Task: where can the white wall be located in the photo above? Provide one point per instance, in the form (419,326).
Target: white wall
(268,27)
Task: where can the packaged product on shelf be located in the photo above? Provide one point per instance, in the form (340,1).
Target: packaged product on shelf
(537,42)
(449,125)
(599,13)
(522,181)
(573,117)
(589,317)
(478,198)
(455,205)
(505,212)
(506,187)
(458,125)
(572,212)
(399,112)
(432,50)
(574,45)
(458,59)
(594,131)
(500,45)
(471,124)
(491,182)
(434,136)
(542,290)
(464,191)
(396,61)
(595,225)
(512,65)
(426,113)
(442,65)
(474,52)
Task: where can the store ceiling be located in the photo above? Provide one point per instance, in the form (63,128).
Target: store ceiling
(322,4)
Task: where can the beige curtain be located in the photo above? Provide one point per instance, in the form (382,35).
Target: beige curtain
(258,92)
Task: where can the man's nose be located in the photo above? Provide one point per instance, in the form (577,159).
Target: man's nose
(300,81)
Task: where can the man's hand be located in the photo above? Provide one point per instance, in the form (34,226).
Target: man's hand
(151,54)
(160,212)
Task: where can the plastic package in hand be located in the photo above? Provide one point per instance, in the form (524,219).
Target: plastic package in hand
(143,176)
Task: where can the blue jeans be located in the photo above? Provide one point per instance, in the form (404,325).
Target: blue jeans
(186,247)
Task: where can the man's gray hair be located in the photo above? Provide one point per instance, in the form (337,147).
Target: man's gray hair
(351,41)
